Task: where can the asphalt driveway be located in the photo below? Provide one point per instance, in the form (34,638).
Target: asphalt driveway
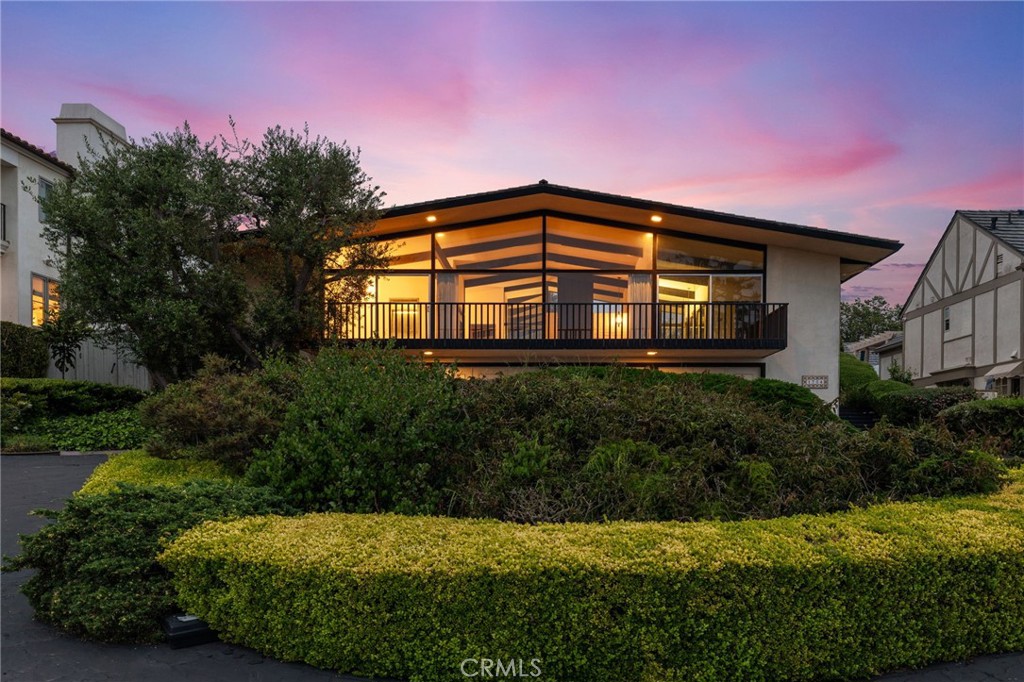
(34,652)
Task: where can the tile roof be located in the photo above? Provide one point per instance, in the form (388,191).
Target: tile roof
(1008,225)
(38,151)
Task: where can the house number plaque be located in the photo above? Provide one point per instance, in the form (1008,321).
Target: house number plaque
(814,381)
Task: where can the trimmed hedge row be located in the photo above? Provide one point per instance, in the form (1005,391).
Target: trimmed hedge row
(138,468)
(23,350)
(47,398)
(118,430)
(800,598)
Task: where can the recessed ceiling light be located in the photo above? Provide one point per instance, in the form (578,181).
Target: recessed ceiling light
(655,218)
(652,352)
(431,218)
(428,352)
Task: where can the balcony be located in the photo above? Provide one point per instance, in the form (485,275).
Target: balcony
(564,326)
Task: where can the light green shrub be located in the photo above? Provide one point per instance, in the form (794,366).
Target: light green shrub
(801,598)
(138,468)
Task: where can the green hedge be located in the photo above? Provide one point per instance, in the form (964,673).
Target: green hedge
(808,597)
(854,373)
(138,468)
(59,398)
(23,351)
(916,405)
(868,396)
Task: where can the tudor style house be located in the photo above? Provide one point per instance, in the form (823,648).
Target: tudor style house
(29,281)
(964,321)
(545,273)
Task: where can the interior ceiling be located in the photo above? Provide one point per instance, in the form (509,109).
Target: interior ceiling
(857,257)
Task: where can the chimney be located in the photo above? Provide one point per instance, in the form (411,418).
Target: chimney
(80,122)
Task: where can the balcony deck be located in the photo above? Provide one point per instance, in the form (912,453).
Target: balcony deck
(564,326)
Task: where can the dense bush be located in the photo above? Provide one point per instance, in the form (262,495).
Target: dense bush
(854,373)
(118,430)
(581,447)
(138,468)
(97,575)
(370,430)
(784,397)
(58,398)
(997,423)
(925,461)
(23,351)
(917,405)
(804,598)
(220,415)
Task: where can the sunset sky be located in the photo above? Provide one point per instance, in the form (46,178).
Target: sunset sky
(877,118)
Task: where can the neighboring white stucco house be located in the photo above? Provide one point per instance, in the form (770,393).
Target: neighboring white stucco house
(551,274)
(963,320)
(29,282)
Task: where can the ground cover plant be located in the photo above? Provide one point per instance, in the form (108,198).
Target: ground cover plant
(140,469)
(820,597)
(96,571)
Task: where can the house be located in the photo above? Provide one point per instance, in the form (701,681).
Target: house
(29,281)
(545,273)
(866,349)
(889,353)
(962,324)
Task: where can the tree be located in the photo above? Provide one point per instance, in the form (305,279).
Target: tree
(154,257)
(64,335)
(314,208)
(863,318)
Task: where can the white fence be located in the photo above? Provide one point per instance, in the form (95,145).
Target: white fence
(103,365)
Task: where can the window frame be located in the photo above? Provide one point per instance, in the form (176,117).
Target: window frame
(48,306)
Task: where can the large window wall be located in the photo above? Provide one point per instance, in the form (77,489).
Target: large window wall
(558,276)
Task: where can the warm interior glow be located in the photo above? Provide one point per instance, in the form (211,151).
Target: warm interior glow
(655,218)
(431,218)
(428,352)
(652,352)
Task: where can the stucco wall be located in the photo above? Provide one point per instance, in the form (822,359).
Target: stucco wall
(27,253)
(809,282)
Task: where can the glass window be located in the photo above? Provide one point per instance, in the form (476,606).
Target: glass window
(574,245)
(44,191)
(734,288)
(45,299)
(411,253)
(679,289)
(677,253)
(515,245)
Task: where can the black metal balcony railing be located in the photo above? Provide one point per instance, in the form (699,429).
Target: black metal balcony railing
(564,325)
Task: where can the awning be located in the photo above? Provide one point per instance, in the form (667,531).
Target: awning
(1005,370)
